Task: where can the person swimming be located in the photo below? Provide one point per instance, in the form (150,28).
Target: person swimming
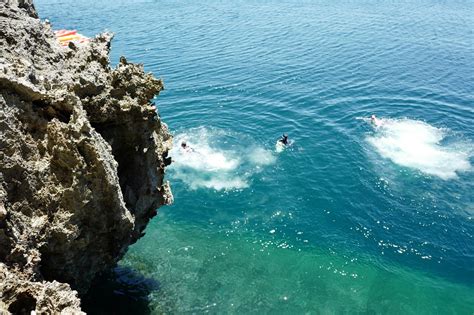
(284,139)
(375,121)
(186,147)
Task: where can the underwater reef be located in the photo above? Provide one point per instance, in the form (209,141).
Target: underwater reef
(83,154)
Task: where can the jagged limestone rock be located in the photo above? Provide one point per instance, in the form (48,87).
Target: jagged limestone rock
(20,296)
(82,160)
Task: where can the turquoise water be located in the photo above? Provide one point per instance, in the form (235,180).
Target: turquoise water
(351,218)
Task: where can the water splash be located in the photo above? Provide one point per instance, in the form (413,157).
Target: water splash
(260,156)
(418,145)
(217,160)
(201,156)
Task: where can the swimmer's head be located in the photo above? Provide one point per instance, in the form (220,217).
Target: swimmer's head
(373,117)
(285,135)
(183,144)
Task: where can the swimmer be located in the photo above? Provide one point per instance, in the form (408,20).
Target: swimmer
(282,143)
(284,139)
(186,147)
(375,121)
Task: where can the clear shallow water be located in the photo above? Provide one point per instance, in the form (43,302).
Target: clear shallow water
(351,218)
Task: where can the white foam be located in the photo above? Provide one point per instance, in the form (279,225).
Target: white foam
(214,161)
(416,144)
(217,183)
(279,147)
(260,156)
(204,158)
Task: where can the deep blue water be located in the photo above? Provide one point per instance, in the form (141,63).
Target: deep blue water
(350,218)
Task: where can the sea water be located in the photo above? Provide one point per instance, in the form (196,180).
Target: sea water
(352,218)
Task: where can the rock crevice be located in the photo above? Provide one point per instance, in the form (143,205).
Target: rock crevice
(82,160)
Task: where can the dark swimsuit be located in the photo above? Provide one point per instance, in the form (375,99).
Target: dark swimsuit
(284,141)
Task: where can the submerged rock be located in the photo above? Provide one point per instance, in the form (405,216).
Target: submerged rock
(82,159)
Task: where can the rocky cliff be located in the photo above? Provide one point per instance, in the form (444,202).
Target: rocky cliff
(82,159)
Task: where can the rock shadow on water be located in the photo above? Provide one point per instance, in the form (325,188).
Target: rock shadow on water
(120,291)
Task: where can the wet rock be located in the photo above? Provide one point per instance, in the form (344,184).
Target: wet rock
(74,192)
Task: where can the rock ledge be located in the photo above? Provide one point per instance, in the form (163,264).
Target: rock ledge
(82,159)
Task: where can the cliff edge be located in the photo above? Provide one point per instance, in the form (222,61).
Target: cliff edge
(82,159)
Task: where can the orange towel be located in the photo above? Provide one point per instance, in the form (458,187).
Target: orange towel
(66,36)
(60,33)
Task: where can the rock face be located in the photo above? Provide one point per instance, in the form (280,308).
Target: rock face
(82,160)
